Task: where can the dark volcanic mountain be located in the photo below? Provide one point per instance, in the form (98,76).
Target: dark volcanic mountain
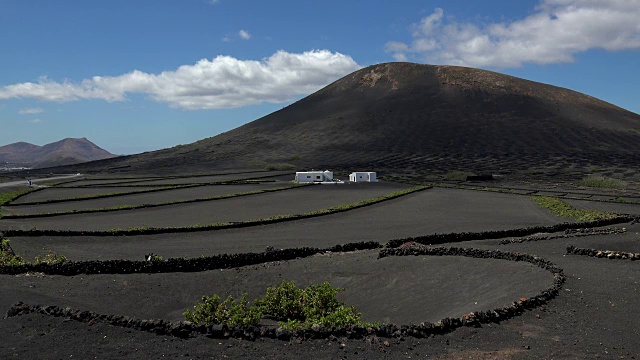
(63,152)
(405,116)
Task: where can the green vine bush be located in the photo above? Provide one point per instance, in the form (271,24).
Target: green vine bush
(230,312)
(51,258)
(293,307)
(7,256)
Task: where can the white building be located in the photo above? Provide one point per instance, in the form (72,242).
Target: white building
(361,176)
(313,176)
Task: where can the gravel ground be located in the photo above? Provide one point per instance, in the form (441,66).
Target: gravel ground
(427,212)
(593,317)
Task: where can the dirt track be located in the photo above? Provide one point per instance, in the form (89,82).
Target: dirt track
(38,180)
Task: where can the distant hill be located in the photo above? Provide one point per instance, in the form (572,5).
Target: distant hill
(409,117)
(63,152)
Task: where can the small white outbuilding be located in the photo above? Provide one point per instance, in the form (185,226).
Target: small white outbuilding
(362,176)
(313,176)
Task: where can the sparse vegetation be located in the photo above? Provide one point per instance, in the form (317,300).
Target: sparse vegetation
(563,209)
(602,182)
(51,258)
(7,256)
(293,307)
(458,175)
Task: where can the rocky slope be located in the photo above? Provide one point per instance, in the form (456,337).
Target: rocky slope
(412,117)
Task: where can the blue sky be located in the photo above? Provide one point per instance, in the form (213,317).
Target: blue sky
(140,75)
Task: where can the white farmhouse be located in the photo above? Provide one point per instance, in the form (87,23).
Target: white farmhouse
(361,176)
(313,176)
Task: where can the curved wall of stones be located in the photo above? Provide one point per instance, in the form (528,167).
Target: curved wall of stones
(569,233)
(607,254)
(424,329)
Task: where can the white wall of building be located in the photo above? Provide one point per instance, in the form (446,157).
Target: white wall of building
(313,176)
(362,176)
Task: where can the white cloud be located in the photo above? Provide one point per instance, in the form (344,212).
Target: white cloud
(36,121)
(554,33)
(223,82)
(244,34)
(31,111)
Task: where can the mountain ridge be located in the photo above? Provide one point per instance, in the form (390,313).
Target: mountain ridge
(64,152)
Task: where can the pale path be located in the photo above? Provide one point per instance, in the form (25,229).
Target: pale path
(24,182)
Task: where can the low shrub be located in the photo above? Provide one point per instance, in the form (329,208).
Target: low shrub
(51,258)
(598,181)
(293,307)
(230,312)
(7,256)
